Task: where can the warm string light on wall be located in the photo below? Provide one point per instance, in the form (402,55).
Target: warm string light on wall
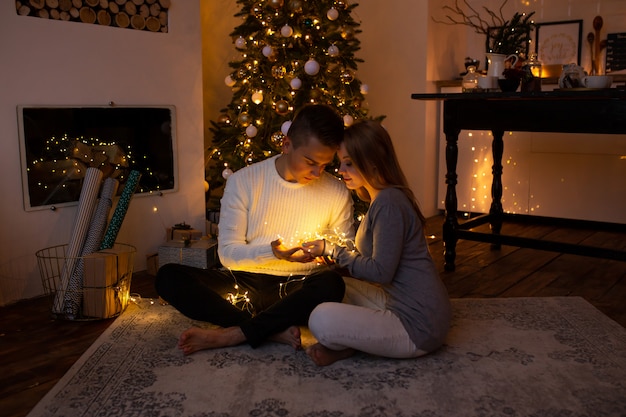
(155,210)
(480,195)
(479,198)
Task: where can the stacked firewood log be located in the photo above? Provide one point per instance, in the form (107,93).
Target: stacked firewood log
(148,15)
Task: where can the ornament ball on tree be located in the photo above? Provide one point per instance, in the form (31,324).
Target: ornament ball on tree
(311,67)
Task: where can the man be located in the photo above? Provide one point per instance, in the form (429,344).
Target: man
(265,206)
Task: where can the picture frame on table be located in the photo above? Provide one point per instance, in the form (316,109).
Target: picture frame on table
(558,44)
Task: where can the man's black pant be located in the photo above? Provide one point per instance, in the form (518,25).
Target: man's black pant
(276,302)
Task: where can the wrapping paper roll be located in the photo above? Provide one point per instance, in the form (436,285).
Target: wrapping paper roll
(99,221)
(67,298)
(120,210)
(94,233)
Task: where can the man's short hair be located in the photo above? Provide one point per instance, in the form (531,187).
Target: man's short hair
(319,121)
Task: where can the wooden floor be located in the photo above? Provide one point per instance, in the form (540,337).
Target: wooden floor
(36,351)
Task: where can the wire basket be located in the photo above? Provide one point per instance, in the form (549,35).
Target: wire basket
(90,287)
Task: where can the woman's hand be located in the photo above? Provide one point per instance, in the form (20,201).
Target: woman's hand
(314,247)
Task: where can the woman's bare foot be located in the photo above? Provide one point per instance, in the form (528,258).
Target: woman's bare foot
(322,356)
(290,336)
(195,338)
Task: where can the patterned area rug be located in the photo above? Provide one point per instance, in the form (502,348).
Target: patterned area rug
(541,357)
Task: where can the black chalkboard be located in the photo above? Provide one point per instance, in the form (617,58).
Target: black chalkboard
(57,144)
(615,52)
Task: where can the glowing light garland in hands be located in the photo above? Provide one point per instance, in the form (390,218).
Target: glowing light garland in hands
(242,301)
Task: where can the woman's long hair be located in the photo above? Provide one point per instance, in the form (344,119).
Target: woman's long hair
(372,152)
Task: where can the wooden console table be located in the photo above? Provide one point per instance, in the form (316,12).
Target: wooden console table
(588,111)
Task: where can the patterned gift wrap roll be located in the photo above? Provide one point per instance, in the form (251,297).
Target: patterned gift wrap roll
(99,221)
(120,210)
(68,297)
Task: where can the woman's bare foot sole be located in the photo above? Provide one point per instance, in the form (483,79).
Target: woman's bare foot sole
(195,338)
(322,356)
(290,336)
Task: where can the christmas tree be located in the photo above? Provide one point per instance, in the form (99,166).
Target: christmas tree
(292,52)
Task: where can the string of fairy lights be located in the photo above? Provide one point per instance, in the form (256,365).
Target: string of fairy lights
(65,159)
(241,299)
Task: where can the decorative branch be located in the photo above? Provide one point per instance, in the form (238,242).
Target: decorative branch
(503,36)
(472,18)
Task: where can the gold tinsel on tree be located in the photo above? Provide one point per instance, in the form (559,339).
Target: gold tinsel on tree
(292,52)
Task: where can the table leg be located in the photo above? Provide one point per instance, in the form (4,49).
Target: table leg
(496,212)
(451,223)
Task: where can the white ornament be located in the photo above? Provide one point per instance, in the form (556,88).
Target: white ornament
(348,120)
(229,81)
(227,173)
(240,43)
(332,14)
(333,50)
(285,127)
(286,31)
(365,88)
(267,50)
(311,67)
(296,83)
(257,98)
(251,131)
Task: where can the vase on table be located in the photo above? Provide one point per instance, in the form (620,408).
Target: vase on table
(496,66)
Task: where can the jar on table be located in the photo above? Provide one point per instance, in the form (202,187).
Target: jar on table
(532,76)
(470,80)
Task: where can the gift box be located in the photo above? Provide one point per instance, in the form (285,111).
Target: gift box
(174,233)
(198,253)
(106,282)
(212,222)
(152,263)
(212,229)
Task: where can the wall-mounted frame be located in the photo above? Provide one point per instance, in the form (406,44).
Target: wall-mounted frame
(557,44)
(58,143)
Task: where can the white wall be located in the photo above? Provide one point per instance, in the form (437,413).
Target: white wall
(393,46)
(48,62)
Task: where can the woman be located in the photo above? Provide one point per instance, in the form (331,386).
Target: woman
(396,305)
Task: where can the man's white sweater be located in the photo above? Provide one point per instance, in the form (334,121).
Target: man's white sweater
(259,206)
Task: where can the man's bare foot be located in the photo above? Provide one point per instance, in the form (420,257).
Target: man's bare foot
(322,356)
(290,336)
(195,338)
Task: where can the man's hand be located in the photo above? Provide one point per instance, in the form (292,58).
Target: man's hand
(297,254)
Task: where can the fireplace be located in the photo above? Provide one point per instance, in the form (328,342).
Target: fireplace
(58,143)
